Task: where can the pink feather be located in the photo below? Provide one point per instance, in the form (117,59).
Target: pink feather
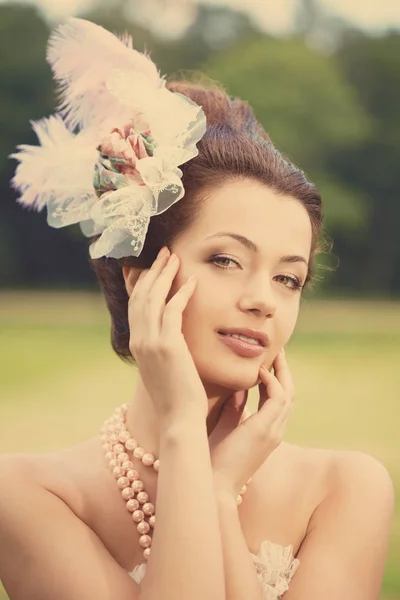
(82,56)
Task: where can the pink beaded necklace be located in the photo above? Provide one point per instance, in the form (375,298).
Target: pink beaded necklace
(117,442)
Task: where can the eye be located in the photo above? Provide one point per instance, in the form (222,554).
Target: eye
(216,258)
(289,281)
(295,284)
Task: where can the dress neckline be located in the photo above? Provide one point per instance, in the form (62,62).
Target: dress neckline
(267,547)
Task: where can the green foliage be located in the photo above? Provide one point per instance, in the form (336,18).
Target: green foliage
(297,93)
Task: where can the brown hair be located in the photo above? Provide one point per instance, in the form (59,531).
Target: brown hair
(235,146)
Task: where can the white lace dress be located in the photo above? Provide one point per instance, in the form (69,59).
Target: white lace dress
(275,566)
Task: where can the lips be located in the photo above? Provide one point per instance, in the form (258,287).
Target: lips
(241,347)
(251,333)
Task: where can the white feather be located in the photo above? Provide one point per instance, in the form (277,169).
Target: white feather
(62,166)
(82,55)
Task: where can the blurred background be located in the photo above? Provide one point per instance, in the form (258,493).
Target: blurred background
(323,79)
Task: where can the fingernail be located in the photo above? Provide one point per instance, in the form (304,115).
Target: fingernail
(163,252)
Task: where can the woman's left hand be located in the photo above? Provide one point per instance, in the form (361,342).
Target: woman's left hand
(239,447)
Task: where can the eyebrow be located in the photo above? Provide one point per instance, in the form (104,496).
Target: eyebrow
(254,248)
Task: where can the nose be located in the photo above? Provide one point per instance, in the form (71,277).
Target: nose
(260,298)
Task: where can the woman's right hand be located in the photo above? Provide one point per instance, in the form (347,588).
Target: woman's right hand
(157,343)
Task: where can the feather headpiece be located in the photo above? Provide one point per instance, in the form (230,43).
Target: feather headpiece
(109,158)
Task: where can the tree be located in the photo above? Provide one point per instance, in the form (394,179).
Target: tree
(372,66)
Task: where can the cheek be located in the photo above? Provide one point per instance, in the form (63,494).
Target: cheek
(281,332)
(199,319)
(286,326)
(196,309)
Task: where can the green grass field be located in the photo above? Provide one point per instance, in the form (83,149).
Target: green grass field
(59,379)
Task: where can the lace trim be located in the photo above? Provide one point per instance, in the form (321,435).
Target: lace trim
(275,566)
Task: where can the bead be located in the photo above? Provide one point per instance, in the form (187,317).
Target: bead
(148,459)
(143,527)
(124,436)
(123,482)
(239,500)
(127,464)
(146,553)
(118,472)
(243,490)
(110,455)
(137,485)
(145,541)
(156,465)
(148,508)
(114,462)
(107,447)
(142,497)
(131,444)
(137,516)
(248,481)
(123,457)
(152,520)
(118,448)
(132,505)
(114,438)
(138,452)
(132,475)
(128,493)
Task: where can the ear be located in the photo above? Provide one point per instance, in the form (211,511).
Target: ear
(131,275)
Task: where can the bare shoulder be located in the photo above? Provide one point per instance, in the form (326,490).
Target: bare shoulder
(348,531)
(17,466)
(42,541)
(335,469)
(353,468)
(322,481)
(57,472)
(355,475)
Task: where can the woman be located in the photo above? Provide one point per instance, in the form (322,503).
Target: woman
(183,494)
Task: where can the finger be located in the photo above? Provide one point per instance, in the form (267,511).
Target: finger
(284,405)
(274,400)
(269,387)
(147,277)
(283,374)
(141,292)
(172,317)
(157,296)
(230,417)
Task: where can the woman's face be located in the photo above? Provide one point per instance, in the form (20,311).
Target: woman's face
(240,287)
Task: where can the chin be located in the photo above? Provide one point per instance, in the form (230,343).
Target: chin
(229,375)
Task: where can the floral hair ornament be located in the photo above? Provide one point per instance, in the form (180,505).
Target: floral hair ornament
(122,165)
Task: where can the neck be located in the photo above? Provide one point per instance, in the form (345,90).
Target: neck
(142,421)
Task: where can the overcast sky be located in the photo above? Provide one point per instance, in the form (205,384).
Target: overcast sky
(275,16)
